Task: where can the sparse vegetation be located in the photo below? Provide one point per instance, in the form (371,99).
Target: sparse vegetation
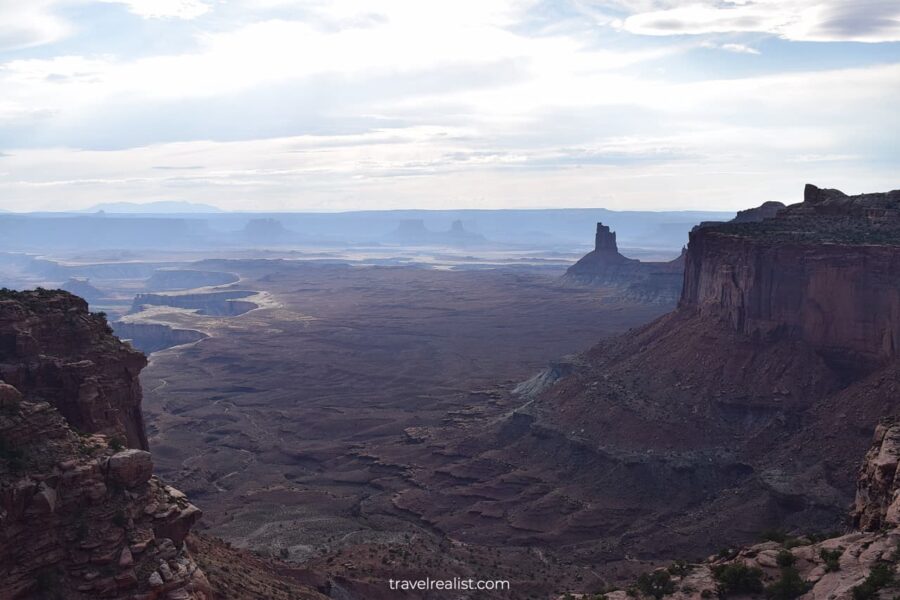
(785,558)
(737,578)
(832,559)
(680,568)
(656,584)
(881,575)
(790,586)
(115,444)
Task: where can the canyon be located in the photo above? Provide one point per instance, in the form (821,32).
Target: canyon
(342,423)
(744,409)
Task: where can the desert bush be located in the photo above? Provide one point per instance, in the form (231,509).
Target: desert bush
(656,584)
(832,559)
(738,578)
(785,558)
(881,575)
(790,586)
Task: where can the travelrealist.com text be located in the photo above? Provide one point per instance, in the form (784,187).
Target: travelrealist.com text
(457,583)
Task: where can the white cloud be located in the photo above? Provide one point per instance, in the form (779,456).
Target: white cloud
(27,23)
(161,9)
(356,104)
(799,20)
(739,49)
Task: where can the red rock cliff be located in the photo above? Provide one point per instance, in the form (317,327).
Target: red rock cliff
(53,349)
(824,271)
(80,515)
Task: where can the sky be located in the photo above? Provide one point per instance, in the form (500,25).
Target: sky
(322,105)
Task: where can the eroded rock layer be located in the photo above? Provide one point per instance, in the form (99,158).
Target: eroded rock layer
(824,272)
(54,350)
(81,515)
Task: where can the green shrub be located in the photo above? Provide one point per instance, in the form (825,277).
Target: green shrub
(773,535)
(738,578)
(115,444)
(832,559)
(656,584)
(785,558)
(881,575)
(790,586)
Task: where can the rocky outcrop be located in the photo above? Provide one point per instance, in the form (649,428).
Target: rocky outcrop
(633,279)
(81,515)
(53,349)
(80,519)
(766,210)
(823,272)
(185,279)
(877,502)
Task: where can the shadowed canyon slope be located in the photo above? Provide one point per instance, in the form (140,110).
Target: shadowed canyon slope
(743,409)
(859,563)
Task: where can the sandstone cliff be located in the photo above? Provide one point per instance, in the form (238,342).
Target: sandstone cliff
(824,272)
(81,515)
(52,349)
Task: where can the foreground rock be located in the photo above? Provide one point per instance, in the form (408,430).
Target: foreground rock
(81,516)
(80,520)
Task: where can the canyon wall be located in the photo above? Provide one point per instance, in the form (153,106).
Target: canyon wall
(825,274)
(54,350)
(81,515)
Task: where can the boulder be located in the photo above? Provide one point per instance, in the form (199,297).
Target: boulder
(130,468)
(9,396)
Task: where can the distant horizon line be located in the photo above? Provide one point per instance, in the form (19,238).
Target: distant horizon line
(221,212)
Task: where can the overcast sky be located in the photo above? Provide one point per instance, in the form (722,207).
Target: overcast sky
(371,104)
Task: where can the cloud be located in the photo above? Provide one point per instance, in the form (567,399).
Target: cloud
(162,9)
(799,20)
(323,104)
(731,47)
(24,24)
(739,49)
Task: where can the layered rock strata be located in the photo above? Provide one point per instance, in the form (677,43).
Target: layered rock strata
(81,515)
(53,349)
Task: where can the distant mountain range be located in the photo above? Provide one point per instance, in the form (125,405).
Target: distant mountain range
(160,207)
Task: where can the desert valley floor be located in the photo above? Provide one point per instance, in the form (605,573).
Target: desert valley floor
(297,425)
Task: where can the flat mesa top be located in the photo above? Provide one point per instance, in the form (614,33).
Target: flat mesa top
(826,217)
